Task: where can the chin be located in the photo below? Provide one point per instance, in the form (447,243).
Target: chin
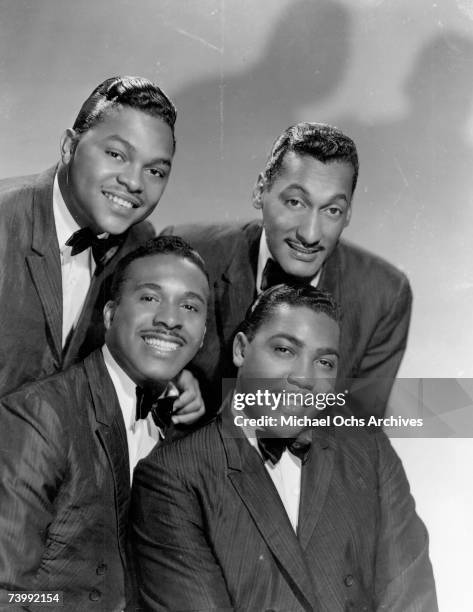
(301,271)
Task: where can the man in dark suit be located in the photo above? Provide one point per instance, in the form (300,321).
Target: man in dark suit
(251,514)
(63,231)
(305,195)
(70,442)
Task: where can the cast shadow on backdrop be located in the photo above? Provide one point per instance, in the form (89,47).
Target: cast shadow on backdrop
(416,202)
(302,62)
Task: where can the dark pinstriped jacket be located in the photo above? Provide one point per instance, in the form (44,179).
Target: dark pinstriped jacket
(211,532)
(375,299)
(65,489)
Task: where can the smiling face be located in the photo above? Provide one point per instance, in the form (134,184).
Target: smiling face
(304,211)
(114,174)
(294,350)
(158,324)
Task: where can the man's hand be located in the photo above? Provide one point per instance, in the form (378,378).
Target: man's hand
(189,406)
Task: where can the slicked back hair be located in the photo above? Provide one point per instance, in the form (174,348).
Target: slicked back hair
(324,143)
(129,91)
(291,295)
(162,245)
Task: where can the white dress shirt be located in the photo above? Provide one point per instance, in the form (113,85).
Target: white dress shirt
(263,255)
(286,476)
(76,271)
(141,435)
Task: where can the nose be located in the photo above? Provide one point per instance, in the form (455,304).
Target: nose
(131,178)
(167,314)
(303,374)
(309,231)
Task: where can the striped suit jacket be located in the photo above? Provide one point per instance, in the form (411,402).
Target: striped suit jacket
(211,533)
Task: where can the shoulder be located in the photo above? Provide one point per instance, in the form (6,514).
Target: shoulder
(189,455)
(52,393)
(22,188)
(46,412)
(218,243)
(213,235)
(360,268)
(366,447)
(355,258)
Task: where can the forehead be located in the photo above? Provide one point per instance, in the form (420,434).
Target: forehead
(169,271)
(147,134)
(312,174)
(313,329)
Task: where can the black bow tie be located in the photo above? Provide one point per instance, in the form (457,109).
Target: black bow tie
(272,448)
(160,407)
(273,274)
(103,249)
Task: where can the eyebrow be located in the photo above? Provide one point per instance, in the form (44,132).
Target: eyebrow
(187,294)
(307,194)
(324,350)
(130,147)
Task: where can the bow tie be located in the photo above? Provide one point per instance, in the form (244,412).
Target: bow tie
(103,249)
(273,274)
(272,448)
(160,407)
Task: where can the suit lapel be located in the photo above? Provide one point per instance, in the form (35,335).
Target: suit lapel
(44,264)
(111,432)
(315,480)
(85,318)
(258,493)
(235,289)
(330,277)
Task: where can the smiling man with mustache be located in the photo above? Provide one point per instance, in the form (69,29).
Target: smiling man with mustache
(305,195)
(71,441)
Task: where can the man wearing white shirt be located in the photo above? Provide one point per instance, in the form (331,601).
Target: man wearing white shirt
(256,511)
(63,231)
(71,441)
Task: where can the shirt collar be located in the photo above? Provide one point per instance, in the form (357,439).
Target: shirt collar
(64,221)
(263,255)
(126,388)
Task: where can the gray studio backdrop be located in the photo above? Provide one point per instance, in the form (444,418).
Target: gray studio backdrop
(396,75)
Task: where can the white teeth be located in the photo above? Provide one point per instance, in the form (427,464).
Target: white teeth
(161,345)
(119,201)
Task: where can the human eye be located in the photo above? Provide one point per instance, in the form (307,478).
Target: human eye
(294,203)
(148,297)
(114,154)
(283,351)
(325,363)
(334,212)
(190,307)
(157,172)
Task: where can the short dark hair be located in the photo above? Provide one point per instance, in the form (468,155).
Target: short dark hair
(323,142)
(162,245)
(292,295)
(134,92)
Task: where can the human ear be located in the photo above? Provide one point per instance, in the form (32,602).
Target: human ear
(240,344)
(108,313)
(68,144)
(348,215)
(258,191)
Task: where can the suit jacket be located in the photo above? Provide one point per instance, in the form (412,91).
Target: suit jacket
(31,288)
(211,533)
(375,300)
(64,489)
